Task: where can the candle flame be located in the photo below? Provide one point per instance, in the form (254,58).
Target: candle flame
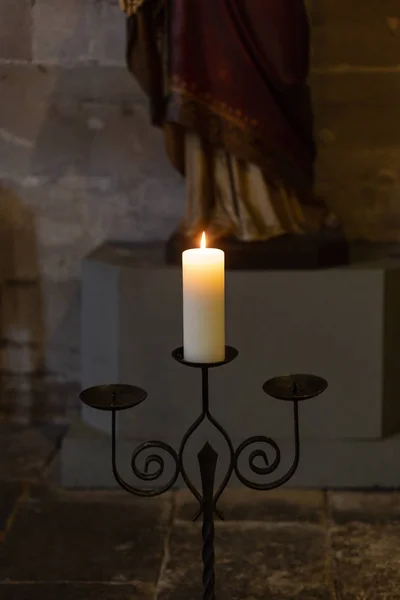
(203,241)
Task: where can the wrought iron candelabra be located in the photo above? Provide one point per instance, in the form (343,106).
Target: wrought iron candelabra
(113,398)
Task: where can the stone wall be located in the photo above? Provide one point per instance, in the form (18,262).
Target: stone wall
(79,162)
(356,85)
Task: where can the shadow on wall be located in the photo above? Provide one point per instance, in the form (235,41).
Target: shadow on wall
(21,311)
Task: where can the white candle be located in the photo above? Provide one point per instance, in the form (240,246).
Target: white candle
(203,272)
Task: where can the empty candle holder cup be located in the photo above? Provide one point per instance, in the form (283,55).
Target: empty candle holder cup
(289,388)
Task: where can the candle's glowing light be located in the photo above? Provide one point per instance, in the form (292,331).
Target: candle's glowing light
(203,243)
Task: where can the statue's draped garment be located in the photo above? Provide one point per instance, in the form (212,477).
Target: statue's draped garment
(227,82)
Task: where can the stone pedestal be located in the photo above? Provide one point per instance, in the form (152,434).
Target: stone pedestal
(342,324)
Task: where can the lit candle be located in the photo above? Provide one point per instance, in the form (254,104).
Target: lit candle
(203,304)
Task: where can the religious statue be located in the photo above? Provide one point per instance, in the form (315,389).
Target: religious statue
(227,82)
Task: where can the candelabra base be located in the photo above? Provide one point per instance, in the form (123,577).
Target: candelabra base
(262,453)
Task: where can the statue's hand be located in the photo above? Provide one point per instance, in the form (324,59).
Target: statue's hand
(130,6)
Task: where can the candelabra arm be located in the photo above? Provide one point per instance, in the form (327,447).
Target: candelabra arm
(117,476)
(270,468)
(282,480)
(145,475)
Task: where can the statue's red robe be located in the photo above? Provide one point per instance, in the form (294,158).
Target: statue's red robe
(234,74)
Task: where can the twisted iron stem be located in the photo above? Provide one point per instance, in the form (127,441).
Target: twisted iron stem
(208,559)
(208,463)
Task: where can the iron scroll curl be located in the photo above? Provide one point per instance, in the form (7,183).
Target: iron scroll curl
(147,472)
(270,467)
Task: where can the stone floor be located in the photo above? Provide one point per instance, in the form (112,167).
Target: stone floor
(92,545)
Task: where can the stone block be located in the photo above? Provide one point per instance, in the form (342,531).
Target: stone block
(36,400)
(358,507)
(24,451)
(358,109)
(366,560)
(65,591)
(15,32)
(22,328)
(24,98)
(62,34)
(68,135)
(253,561)
(362,186)
(18,238)
(109,33)
(358,33)
(358,164)
(336,321)
(78,32)
(107,538)
(89,86)
(62,324)
(21,313)
(20,359)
